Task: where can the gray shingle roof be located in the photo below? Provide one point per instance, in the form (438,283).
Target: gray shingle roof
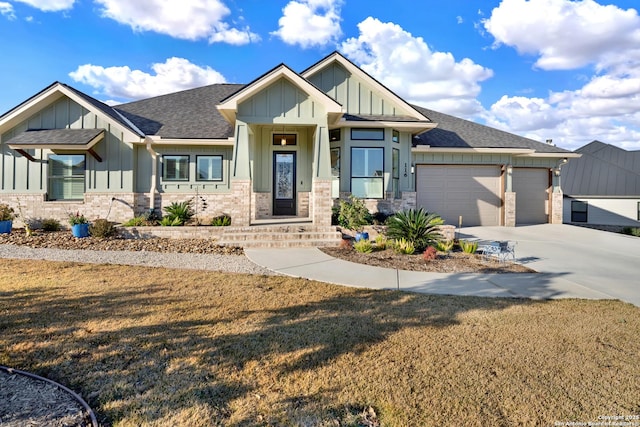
(189,114)
(77,137)
(603,170)
(106,109)
(453,132)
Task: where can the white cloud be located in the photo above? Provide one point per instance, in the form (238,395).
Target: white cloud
(605,108)
(190,20)
(50,5)
(566,34)
(6,9)
(309,23)
(173,75)
(411,69)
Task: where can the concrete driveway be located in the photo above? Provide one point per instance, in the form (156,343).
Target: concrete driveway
(600,261)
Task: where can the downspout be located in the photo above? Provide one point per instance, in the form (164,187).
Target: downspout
(154,172)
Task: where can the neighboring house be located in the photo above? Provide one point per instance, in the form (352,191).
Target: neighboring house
(286,145)
(602,187)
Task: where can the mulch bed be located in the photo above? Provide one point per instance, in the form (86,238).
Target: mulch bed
(26,401)
(64,240)
(453,262)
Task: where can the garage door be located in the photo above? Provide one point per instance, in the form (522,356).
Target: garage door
(472,192)
(530,186)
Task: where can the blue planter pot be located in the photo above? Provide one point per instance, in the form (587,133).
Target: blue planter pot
(362,236)
(80,230)
(5,227)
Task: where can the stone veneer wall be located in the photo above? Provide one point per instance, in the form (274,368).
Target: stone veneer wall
(388,205)
(321,203)
(556,208)
(303,204)
(510,209)
(261,203)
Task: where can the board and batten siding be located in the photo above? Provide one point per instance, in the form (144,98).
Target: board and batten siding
(262,160)
(114,173)
(145,161)
(280,100)
(356,96)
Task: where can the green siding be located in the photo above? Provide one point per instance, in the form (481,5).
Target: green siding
(114,173)
(356,95)
(281,100)
(144,165)
(263,149)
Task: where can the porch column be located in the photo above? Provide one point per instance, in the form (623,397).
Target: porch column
(321,202)
(241,177)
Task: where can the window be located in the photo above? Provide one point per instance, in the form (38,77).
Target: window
(396,172)
(335,173)
(579,211)
(334,135)
(367,134)
(176,168)
(638,211)
(284,139)
(209,168)
(66,176)
(396,136)
(367,172)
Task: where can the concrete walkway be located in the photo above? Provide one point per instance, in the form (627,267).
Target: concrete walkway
(572,262)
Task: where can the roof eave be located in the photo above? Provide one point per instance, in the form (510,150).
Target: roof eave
(156,140)
(430,149)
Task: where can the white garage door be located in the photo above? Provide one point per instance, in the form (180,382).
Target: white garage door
(530,186)
(472,192)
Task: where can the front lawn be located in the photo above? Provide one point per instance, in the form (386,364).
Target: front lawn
(157,347)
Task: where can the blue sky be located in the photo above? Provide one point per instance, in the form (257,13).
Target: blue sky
(567,70)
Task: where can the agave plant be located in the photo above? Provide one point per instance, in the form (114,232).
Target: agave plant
(416,226)
(179,212)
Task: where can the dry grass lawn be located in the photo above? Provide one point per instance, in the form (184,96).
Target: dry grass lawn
(157,347)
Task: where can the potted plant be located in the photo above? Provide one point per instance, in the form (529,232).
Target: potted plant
(79,225)
(7,215)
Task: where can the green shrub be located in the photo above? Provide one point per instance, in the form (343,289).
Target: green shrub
(7,213)
(468,247)
(102,228)
(223,220)
(51,224)
(363,246)
(353,214)
(444,245)
(404,246)
(381,242)
(417,226)
(181,211)
(631,231)
(137,221)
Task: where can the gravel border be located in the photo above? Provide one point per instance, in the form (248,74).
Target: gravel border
(209,262)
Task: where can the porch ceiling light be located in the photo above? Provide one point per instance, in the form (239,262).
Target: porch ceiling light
(283,141)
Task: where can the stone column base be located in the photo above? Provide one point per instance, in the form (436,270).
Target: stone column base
(509,209)
(556,208)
